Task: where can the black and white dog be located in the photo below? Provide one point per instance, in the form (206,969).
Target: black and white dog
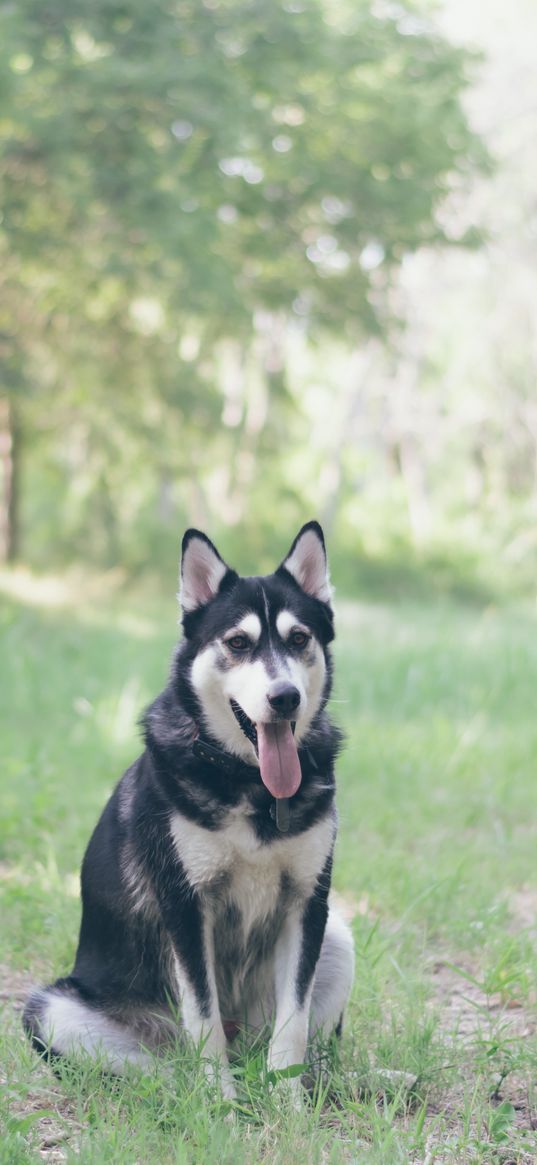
(205,884)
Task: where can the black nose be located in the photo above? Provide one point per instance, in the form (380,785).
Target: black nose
(284,698)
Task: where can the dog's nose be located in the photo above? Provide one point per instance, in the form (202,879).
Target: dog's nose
(284,698)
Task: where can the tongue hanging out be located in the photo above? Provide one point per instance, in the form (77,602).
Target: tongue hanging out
(278,758)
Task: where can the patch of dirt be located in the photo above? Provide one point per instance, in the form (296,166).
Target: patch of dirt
(52,1134)
(465,1009)
(14,986)
(492,1030)
(522,906)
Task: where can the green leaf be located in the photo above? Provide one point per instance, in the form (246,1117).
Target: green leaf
(500,1121)
(289,1073)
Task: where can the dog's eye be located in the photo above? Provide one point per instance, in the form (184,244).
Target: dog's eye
(238,642)
(299,638)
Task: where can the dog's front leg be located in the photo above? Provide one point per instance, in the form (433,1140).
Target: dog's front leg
(191,933)
(200,1010)
(297,954)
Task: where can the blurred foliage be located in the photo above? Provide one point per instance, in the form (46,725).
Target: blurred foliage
(205,210)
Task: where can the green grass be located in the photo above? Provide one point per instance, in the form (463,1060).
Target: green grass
(436,860)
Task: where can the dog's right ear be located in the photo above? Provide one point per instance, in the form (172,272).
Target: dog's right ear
(202,571)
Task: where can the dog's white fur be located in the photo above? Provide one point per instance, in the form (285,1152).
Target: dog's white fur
(255,872)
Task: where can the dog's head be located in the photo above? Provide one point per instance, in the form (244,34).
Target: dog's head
(256,650)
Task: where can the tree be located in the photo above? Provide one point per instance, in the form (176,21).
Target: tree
(171,171)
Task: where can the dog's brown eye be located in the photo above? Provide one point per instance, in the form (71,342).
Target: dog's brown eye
(299,638)
(238,642)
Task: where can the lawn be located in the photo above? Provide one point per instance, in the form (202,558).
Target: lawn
(435,865)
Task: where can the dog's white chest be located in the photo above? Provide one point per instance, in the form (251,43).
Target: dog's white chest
(251,872)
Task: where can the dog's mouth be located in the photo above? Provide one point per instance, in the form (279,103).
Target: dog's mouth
(247,725)
(274,742)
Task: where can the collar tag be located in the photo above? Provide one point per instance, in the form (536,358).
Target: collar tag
(281,814)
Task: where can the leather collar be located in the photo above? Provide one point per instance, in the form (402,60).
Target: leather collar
(233,766)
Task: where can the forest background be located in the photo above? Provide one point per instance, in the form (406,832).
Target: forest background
(262,262)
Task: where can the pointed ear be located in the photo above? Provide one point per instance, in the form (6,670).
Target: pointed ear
(307,562)
(202,571)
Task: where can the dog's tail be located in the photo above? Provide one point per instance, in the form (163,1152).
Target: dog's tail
(36,1018)
(61,1021)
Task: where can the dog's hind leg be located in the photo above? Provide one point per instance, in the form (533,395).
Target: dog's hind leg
(334,975)
(60,1023)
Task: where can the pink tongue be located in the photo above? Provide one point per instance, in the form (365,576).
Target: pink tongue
(278,758)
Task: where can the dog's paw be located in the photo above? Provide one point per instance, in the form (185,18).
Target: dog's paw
(289,1093)
(220,1077)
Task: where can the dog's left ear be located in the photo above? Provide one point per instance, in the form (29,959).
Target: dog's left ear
(202,571)
(308,564)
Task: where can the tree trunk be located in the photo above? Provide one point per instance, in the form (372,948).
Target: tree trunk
(332,479)
(413,474)
(9,450)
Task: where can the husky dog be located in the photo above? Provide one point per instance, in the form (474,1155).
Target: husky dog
(205,884)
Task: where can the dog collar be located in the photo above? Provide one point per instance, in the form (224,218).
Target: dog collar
(234,767)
